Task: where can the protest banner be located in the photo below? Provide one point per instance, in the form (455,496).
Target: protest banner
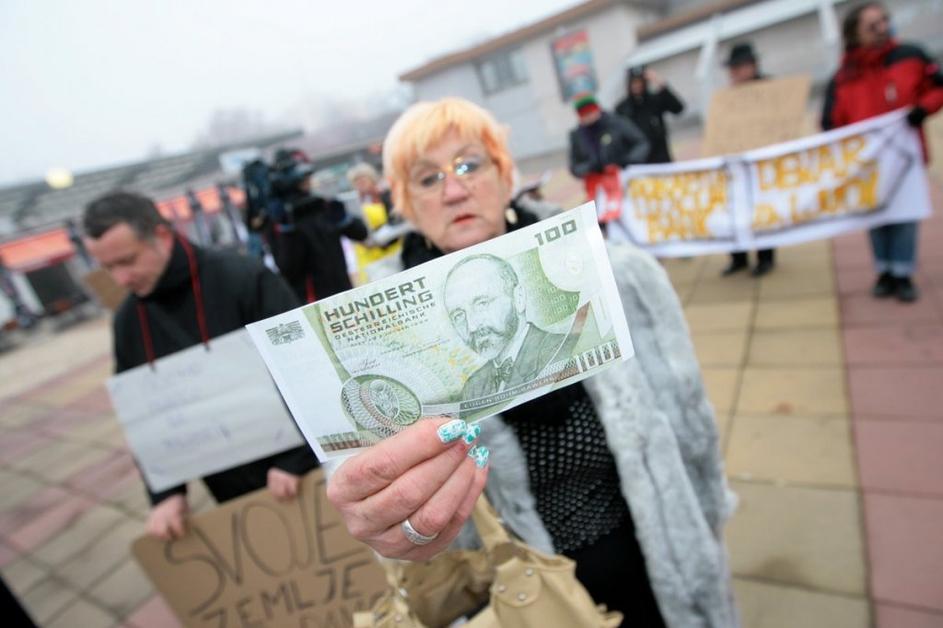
(755,114)
(857,177)
(200,411)
(255,561)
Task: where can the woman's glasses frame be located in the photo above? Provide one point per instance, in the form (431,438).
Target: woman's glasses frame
(465,167)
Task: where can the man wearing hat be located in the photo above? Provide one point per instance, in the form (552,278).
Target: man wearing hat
(743,66)
(647,101)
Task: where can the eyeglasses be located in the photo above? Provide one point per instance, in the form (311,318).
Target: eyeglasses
(464,167)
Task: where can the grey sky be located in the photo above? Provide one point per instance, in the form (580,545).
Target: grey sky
(93,83)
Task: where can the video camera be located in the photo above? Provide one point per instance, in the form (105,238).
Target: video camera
(275,192)
(271,188)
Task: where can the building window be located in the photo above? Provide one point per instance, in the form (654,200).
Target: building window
(501,71)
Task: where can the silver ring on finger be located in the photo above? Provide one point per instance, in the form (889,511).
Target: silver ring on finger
(414,537)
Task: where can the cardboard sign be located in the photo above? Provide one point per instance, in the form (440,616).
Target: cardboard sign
(258,562)
(105,290)
(756,114)
(200,411)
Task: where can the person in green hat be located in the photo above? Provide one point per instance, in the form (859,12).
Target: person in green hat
(600,146)
(603,142)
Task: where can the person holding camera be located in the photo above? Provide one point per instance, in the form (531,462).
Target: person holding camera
(307,231)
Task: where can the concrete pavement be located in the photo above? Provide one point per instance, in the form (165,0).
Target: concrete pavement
(827,402)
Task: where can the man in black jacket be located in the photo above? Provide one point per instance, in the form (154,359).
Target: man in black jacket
(603,142)
(647,101)
(181,295)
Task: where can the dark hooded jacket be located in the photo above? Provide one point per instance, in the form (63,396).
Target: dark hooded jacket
(236,291)
(610,141)
(647,112)
(308,250)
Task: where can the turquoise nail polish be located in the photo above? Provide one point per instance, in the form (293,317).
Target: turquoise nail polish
(473,432)
(452,430)
(480,455)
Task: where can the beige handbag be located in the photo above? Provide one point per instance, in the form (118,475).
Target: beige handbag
(528,589)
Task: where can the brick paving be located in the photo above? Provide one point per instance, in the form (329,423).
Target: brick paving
(827,402)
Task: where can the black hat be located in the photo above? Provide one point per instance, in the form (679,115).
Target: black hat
(635,72)
(741,54)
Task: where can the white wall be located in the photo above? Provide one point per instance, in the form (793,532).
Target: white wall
(535,112)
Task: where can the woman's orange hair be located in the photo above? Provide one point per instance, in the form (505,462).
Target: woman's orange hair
(425,124)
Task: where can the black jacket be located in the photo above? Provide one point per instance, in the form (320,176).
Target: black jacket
(611,140)
(237,291)
(308,251)
(647,112)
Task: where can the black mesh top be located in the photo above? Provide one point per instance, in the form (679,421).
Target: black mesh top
(572,472)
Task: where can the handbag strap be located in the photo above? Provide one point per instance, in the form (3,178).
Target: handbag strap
(490,528)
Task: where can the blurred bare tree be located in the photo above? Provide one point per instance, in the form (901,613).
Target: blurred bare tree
(234,124)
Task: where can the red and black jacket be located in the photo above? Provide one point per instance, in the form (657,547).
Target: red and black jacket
(872,81)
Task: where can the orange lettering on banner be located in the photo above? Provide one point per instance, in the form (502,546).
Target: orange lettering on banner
(791,171)
(856,195)
(678,206)
(833,180)
(765,217)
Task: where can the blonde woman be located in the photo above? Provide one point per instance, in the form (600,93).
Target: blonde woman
(620,472)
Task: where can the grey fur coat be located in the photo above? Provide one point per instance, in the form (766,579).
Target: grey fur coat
(661,430)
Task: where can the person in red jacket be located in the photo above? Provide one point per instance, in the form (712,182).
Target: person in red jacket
(878,75)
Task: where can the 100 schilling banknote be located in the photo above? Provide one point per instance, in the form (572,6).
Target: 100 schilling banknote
(468,335)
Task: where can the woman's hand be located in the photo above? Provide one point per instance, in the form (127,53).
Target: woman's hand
(429,474)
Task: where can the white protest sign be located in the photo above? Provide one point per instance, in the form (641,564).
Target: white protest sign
(857,177)
(198,412)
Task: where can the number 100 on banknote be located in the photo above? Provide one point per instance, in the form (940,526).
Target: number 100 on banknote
(466,335)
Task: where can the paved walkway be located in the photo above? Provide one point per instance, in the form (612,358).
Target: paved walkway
(827,401)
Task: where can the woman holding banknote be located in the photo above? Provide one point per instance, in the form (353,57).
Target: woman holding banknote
(620,472)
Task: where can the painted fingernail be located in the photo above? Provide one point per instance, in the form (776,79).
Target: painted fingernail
(452,430)
(473,432)
(480,455)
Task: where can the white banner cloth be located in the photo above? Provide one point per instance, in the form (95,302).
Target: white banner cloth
(857,177)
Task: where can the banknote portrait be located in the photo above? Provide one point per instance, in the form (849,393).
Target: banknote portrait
(491,319)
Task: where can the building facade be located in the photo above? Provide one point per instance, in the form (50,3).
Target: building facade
(526,77)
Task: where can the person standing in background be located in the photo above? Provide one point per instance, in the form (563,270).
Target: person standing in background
(878,75)
(647,101)
(600,147)
(743,66)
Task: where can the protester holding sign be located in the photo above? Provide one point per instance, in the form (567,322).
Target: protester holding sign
(743,66)
(582,470)
(180,296)
(645,105)
(878,75)
(600,147)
